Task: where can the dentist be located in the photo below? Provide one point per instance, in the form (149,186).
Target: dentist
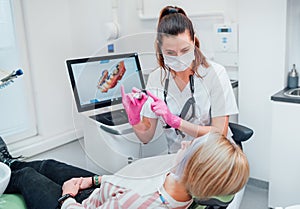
(189,95)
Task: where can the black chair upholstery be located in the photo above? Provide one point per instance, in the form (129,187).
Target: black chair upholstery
(240,133)
(212,203)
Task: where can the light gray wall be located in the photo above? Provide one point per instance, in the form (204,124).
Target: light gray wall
(55,31)
(261,74)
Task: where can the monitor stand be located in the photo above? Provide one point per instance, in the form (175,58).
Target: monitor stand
(112,118)
(113,147)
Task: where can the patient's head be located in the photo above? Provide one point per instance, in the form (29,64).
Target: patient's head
(213,166)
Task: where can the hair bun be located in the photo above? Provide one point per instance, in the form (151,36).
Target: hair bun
(172,10)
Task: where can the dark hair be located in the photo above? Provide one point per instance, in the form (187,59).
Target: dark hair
(173,21)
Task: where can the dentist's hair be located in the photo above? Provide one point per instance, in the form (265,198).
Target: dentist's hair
(173,21)
(216,167)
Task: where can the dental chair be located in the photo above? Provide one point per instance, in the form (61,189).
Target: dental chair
(240,134)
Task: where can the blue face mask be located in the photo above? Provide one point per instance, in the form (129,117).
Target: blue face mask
(179,63)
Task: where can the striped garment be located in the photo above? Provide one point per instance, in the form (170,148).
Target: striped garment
(110,196)
(133,187)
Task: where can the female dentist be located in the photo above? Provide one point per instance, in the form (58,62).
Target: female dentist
(190,95)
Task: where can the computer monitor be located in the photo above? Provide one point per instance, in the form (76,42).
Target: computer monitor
(96,81)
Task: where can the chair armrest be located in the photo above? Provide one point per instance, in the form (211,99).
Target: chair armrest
(240,133)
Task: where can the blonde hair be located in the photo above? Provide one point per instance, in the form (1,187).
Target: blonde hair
(217,167)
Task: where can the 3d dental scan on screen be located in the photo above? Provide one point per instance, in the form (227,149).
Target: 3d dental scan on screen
(96,81)
(96,84)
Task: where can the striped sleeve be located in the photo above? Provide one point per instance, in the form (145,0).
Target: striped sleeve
(114,197)
(93,201)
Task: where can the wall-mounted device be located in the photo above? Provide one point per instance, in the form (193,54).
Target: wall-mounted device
(8,78)
(226,37)
(226,44)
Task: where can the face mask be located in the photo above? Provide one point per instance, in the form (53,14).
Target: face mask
(179,63)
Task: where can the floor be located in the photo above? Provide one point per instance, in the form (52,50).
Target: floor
(255,195)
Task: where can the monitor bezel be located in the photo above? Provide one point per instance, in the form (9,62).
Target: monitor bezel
(106,103)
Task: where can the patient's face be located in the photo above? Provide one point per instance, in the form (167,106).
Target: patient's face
(180,153)
(185,145)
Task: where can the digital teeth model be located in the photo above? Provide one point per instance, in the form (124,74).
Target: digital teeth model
(109,80)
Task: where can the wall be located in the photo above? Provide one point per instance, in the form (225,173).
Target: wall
(261,74)
(16,106)
(57,30)
(293,38)
(143,16)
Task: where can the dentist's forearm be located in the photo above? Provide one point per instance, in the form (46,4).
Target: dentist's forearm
(219,124)
(193,129)
(145,129)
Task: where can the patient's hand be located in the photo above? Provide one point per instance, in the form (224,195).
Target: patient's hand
(83,182)
(72,186)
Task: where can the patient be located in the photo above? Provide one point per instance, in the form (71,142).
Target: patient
(205,167)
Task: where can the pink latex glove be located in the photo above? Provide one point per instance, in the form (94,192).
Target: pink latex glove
(160,108)
(133,106)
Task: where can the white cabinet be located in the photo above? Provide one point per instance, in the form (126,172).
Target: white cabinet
(285,155)
(112,152)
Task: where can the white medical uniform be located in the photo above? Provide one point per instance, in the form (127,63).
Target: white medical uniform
(213,95)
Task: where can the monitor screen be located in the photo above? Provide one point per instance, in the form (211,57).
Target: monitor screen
(96,81)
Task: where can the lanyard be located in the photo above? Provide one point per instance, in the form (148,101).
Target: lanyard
(166,87)
(189,102)
(162,199)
